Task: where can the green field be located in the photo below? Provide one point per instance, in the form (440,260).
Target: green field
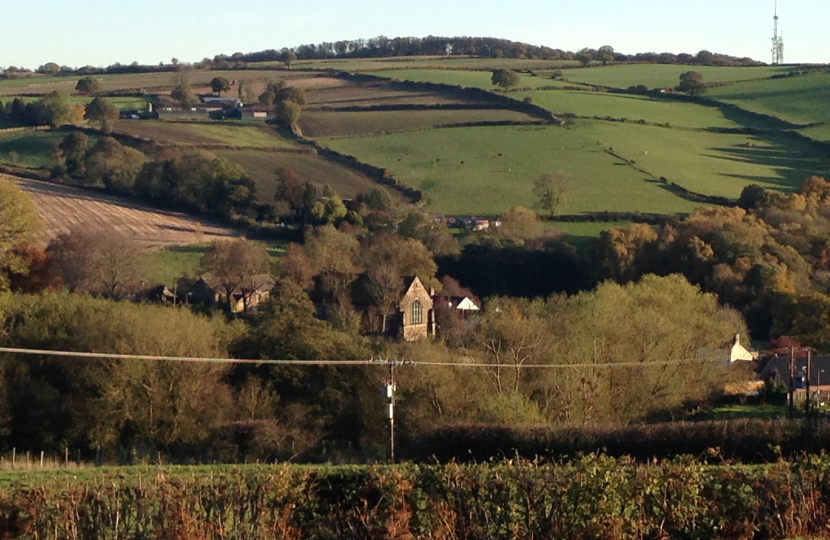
(473,79)
(800,100)
(29,149)
(487,183)
(664,75)
(338,124)
(819,133)
(633,108)
(713,164)
(122,102)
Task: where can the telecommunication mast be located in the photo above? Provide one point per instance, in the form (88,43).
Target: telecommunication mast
(777,41)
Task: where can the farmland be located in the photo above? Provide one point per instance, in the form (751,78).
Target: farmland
(184,134)
(473,79)
(339,124)
(801,100)
(663,75)
(63,208)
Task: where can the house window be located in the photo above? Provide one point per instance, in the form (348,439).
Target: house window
(417,312)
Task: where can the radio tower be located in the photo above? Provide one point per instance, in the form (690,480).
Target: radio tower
(777,41)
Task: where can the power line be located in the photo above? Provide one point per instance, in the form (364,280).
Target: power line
(335,362)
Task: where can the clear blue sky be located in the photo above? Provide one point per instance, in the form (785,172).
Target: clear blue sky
(102,32)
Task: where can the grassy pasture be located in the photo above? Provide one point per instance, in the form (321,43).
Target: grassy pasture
(122,102)
(261,166)
(631,107)
(800,100)
(336,124)
(473,79)
(30,149)
(486,183)
(664,75)
(820,133)
(184,134)
(709,163)
(366,94)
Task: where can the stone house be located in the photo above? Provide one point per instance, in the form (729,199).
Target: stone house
(212,293)
(415,316)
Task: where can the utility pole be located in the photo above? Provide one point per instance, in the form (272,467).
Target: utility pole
(792,382)
(809,403)
(389,393)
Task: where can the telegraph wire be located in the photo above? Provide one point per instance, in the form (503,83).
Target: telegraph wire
(337,362)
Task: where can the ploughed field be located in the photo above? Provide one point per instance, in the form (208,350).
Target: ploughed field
(63,207)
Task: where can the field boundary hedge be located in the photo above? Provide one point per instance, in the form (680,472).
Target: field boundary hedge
(466,93)
(596,497)
(746,441)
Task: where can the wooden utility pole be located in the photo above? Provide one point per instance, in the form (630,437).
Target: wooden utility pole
(792,382)
(809,403)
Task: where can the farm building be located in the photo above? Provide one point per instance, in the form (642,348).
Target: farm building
(251,294)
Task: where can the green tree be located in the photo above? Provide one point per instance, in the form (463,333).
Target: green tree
(606,54)
(552,190)
(56,109)
(269,97)
(88,85)
(234,263)
(219,85)
(505,78)
(584,57)
(19,222)
(288,112)
(73,149)
(184,94)
(692,83)
(101,111)
(112,165)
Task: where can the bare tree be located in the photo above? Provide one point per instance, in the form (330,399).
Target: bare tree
(234,263)
(552,190)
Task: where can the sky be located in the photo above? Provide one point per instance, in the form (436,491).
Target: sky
(102,32)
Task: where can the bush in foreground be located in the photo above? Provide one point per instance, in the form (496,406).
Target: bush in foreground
(595,497)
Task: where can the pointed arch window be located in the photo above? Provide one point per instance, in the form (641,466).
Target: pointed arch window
(417,312)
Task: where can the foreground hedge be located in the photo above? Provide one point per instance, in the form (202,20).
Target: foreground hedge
(592,498)
(748,441)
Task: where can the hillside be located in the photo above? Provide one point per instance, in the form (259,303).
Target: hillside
(439,126)
(63,208)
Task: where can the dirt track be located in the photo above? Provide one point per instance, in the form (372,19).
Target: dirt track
(63,208)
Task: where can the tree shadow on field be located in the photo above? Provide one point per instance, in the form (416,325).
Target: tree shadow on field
(793,164)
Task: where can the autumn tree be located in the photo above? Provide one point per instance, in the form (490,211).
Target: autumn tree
(219,85)
(56,109)
(288,112)
(184,94)
(234,263)
(288,58)
(520,223)
(88,85)
(19,222)
(584,57)
(101,111)
(334,256)
(552,190)
(290,189)
(505,78)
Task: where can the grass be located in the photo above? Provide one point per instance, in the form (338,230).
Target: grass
(29,149)
(166,264)
(475,79)
(632,108)
(800,100)
(664,75)
(711,163)
(735,412)
(260,166)
(486,183)
(820,133)
(336,124)
(121,102)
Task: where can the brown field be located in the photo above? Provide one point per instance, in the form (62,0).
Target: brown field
(260,166)
(63,208)
(339,124)
(218,133)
